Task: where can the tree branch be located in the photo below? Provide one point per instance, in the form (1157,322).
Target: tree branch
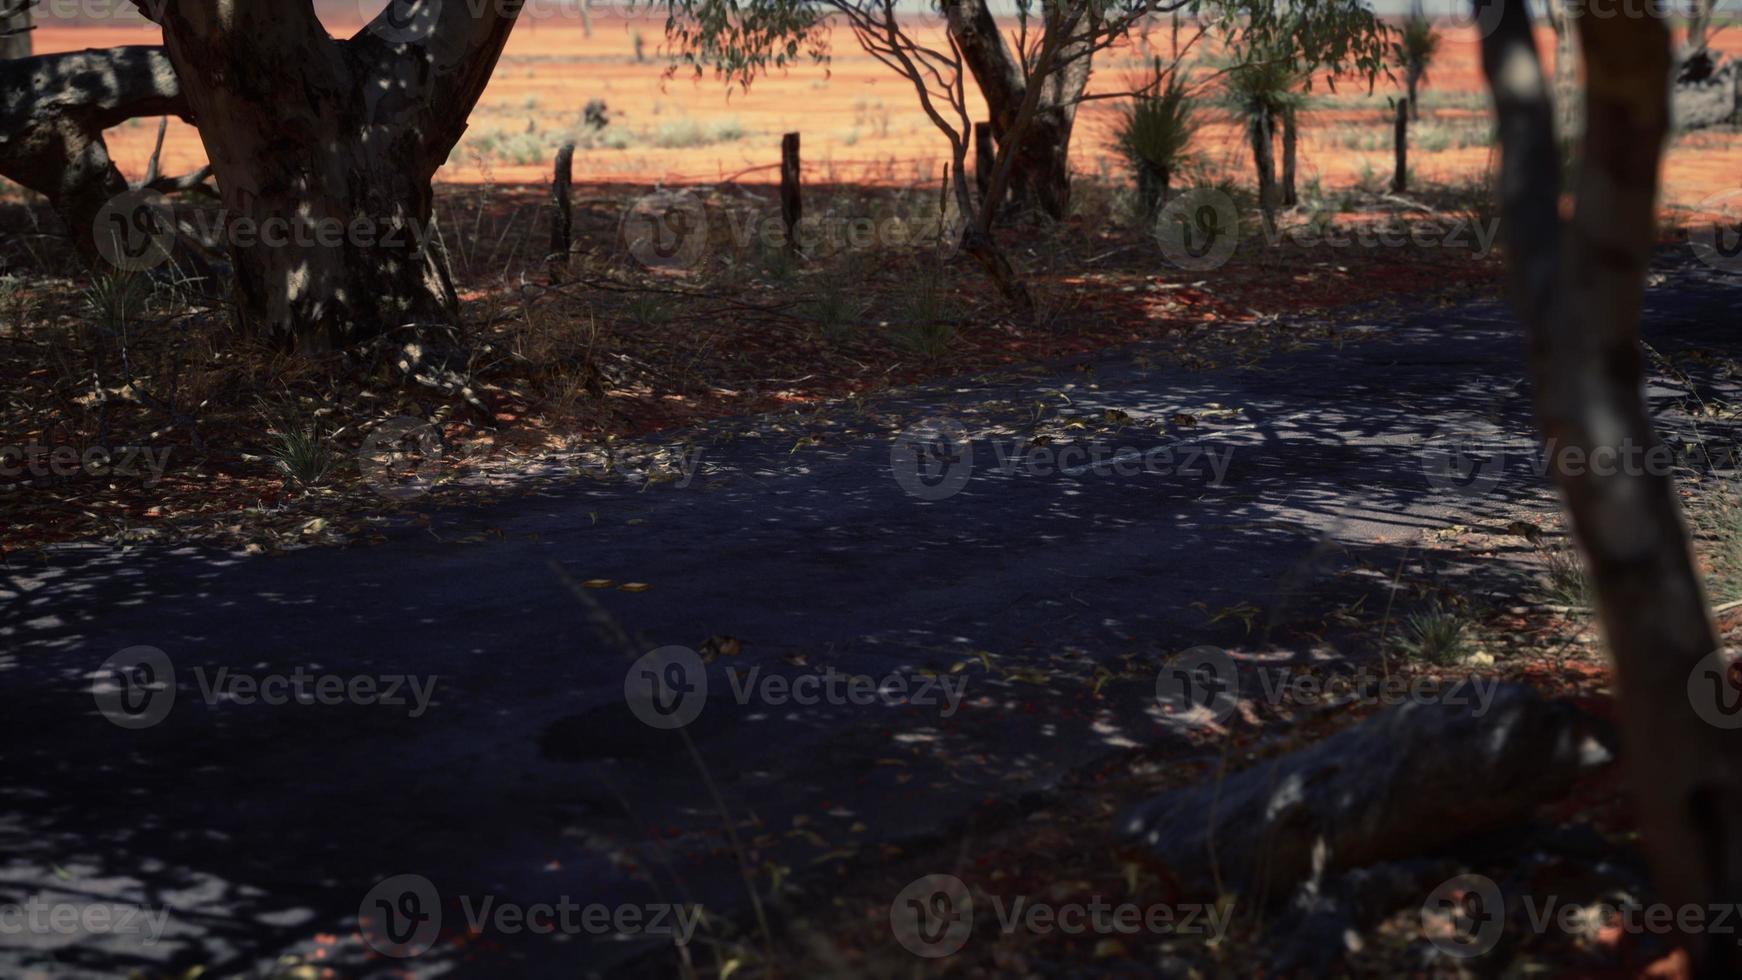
(53,110)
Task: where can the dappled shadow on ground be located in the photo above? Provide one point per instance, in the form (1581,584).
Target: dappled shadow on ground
(1049,600)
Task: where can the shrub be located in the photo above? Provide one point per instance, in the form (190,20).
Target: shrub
(1154,134)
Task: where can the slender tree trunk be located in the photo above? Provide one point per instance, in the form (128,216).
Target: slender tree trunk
(1562,15)
(1152,184)
(1413,81)
(1263,158)
(1042,176)
(1579,290)
(324,152)
(1699,27)
(1290,138)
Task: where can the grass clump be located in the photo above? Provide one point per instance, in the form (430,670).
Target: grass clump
(1154,132)
(1437,635)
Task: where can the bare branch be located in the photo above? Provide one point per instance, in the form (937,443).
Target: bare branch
(52,116)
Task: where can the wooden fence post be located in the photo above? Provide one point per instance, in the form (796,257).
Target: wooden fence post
(791,201)
(1400,176)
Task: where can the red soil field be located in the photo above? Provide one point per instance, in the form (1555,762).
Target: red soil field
(861,123)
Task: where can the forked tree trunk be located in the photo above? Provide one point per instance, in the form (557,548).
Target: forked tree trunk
(324,151)
(1041,176)
(1579,290)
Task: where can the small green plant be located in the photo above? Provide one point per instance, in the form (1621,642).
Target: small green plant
(776,262)
(1154,132)
(647,309)
(927,324)
(1437,635)
(117,300)
(834,311)
(681,134)
(303,455)
(1415,48)
(1717,524)
(1566,583)
(15,305)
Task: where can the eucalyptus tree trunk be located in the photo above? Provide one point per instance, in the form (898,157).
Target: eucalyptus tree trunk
(1258,132)
(1579,288)
(1041,176)
(1699,27)
(324,151)
(1290,141)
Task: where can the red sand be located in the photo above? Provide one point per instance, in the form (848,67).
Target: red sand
(859,121)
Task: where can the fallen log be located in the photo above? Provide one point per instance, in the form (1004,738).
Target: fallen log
(1404,783)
